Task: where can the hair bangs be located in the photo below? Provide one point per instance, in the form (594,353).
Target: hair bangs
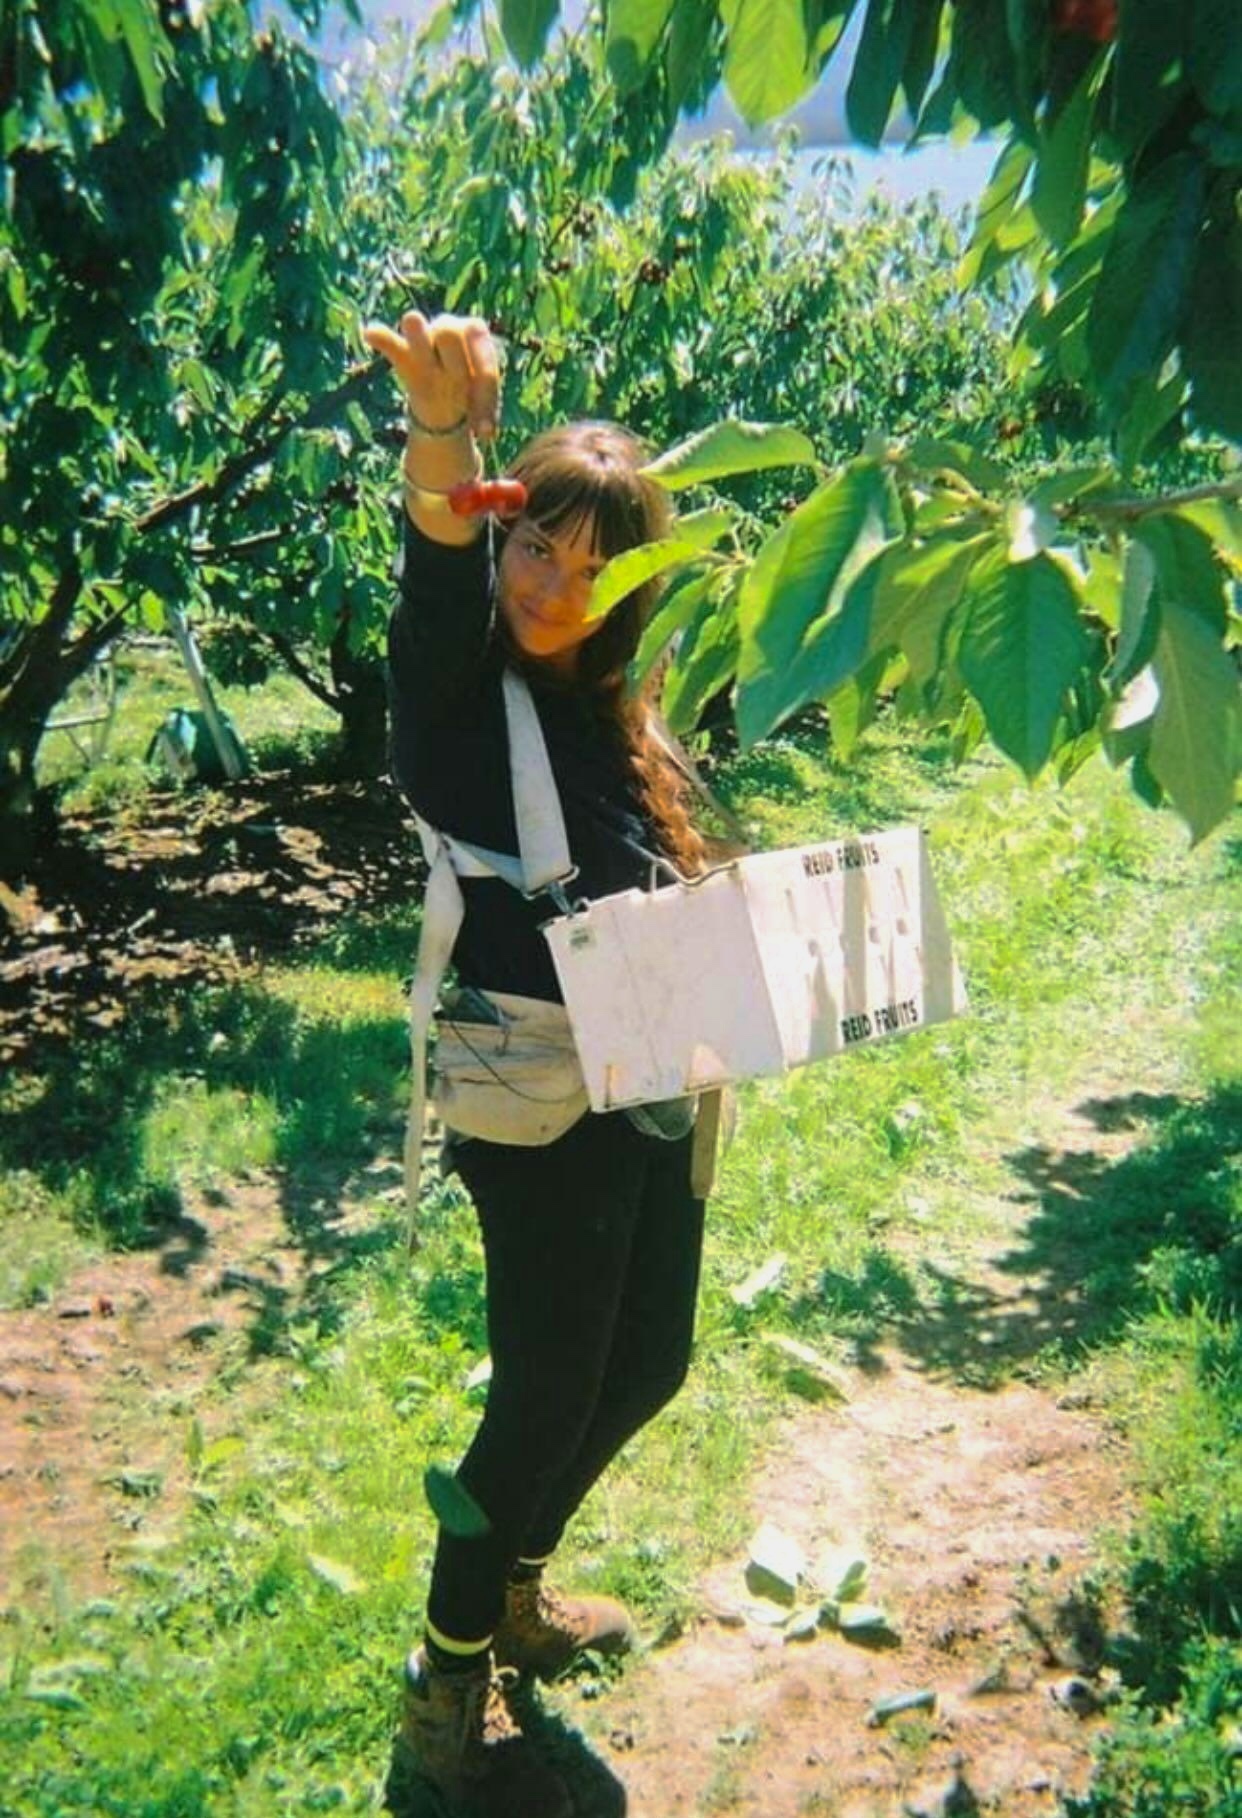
(586,475)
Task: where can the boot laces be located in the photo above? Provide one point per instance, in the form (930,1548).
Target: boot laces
(555,1610)
(487,1712)
(540,1604)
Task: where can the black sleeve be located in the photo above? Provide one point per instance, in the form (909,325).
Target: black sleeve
(440,632)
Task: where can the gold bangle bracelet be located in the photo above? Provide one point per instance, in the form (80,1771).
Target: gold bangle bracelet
(435,498)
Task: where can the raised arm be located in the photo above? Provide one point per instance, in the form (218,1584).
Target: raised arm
(449,373)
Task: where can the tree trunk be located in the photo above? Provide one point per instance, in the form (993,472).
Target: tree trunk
(362,696)
(24,714)
(40,670)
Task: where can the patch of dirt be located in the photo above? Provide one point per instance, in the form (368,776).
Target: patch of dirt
(975,1511)
(117,909)
(98,1389)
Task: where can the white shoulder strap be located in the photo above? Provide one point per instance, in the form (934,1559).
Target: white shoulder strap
(536,804)
(543,863)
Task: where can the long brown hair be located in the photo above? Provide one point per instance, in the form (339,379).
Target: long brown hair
(588,473)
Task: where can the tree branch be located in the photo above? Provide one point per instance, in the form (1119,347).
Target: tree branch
(323,409)
(46,634)
(302,670)
(245,546)
(1228,490)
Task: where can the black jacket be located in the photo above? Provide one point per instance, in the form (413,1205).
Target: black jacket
(450,756)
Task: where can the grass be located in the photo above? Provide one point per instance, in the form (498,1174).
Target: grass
(281,724)
(247,1666)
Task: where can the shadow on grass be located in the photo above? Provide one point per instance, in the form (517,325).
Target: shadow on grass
(855,795)
(862,1307)
(1151,1216)
(81,1122)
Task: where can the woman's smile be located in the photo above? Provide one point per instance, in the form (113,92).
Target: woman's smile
(545,581)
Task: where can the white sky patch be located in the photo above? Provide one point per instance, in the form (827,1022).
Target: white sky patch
(958,172)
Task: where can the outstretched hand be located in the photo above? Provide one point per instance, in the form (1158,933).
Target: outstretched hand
(448,368)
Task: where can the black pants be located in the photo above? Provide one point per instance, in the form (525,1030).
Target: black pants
(592,1246)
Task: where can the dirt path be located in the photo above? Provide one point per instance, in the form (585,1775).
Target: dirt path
(975,1511)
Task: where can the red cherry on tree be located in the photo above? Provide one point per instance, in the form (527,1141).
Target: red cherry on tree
(1095,19)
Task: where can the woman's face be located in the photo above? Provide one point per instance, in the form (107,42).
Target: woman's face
(545,581)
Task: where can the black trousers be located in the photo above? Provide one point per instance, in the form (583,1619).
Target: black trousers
(592,1247)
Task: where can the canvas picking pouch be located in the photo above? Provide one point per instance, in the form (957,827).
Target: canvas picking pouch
(511,1077)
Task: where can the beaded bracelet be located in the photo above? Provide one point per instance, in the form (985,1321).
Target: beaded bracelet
(418,428)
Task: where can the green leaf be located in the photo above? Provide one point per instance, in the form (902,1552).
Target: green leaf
(149,49)
(791,648)
(1151,405)
(1145,785)
(526,24)
(878,63)
(1220,520)
(866,1623)
(691,536)
(1075,484)
(1145,278)
(452,1504)
(1060,191)
(766,67)
(844,1572)
(1214,59)
(1196,741)
(1147,79)
(806,1371)
(1187,571)
(997,206)
(672,615)
(705,661)
(633,29)
(134,1481)
(1026,22)
(687,41)
(921,54)
(851,707)
(917,588)
(1212,339)
(936,454)
(1101,590)
(775,1563)
(1128,722)
(730,447)
(982,65)
(1022,647)
(1137,598)
(55,1697)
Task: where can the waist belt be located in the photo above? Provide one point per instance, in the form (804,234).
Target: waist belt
(542,867)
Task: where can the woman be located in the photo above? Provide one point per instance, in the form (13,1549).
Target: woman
(592,1242)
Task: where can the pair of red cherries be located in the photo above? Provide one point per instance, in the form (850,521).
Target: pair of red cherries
(471,498)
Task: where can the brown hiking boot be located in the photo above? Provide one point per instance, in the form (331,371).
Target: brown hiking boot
(541,1631)
(463,1739)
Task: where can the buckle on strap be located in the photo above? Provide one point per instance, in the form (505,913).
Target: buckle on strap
(555,890)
